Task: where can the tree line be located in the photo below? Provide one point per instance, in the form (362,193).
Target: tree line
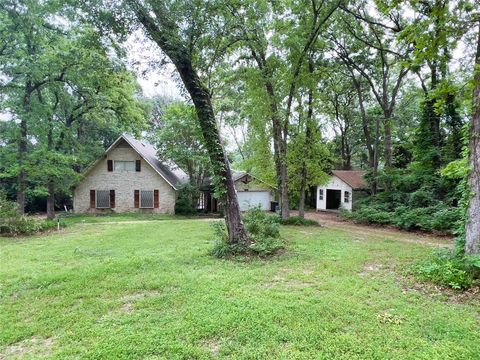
(304,86)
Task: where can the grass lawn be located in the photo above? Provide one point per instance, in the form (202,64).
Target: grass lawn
(150,290)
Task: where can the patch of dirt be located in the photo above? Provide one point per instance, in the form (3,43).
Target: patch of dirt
(286,278)
(370,267)
(36,346)
(377,232)
(442,293)
(213,345)
(129,299)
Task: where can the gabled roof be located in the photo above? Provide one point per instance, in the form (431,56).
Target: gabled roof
(237,175)
(354,178)
(169,171)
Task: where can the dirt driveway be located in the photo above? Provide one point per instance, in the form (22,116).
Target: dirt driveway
(333,220)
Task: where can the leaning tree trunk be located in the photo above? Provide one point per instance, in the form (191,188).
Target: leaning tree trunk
(164,32)
(472,233)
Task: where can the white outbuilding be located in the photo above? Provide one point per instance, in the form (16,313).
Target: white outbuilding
(343,188)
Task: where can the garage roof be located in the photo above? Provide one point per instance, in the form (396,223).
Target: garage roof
(354,178)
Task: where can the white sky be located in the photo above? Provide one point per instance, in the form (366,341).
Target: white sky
(156,77)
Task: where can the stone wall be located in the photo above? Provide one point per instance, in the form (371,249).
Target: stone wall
(124,183)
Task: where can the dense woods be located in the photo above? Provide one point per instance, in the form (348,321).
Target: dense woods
(285,90)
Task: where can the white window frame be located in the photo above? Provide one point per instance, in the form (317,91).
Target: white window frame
(346,196)
(320,195)
(153,200)
(124,163)
(96,200)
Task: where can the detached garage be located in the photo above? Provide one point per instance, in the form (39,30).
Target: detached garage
(343,188)
(252,192)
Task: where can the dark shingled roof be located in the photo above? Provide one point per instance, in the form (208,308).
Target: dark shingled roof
(354,178)
(168,170)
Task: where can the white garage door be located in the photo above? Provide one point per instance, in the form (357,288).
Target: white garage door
(250,199)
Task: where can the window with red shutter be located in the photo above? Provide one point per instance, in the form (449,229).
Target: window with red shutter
(138,165)
(136,198)
(112,199)
(110,165)
(155,199)
(92,199)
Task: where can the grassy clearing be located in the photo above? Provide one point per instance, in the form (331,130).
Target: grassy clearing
(149,290)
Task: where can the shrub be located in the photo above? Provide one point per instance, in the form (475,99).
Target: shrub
(187,200)
(447,269)
(439,217)
(409,219)
(11,223)
(261,225)
(423,197)
(24,225)
(369,215)
(299,221)
(262,228)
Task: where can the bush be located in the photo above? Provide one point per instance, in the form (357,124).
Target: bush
(369,215)
(410,219)
(299,221)
(11,223)
(447,269)
(187,200)
(439,217)
(24,225)
(263,230)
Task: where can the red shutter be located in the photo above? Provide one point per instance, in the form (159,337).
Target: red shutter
(155,198)
(112,199)
(136,198)
(110,165)
(92,199)
(138,165)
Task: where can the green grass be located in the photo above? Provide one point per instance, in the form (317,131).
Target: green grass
(149,290)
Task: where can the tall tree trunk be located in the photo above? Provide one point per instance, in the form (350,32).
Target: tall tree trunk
(308,143)
(50,183)
(388,152)
(51,200)
(164,32)
(472,233)
(22,178)
(366,133)
(22,148)
(280,151)
(206,117)
(375,156)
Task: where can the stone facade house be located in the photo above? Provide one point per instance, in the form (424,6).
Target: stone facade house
(130,178)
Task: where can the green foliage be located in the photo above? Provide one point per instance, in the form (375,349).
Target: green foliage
(13,224)
(433,218)
(444,267)
(25,225)
(262,228)
(179,138)
(187,200)
(369,215)
(68,88)
(298,221)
